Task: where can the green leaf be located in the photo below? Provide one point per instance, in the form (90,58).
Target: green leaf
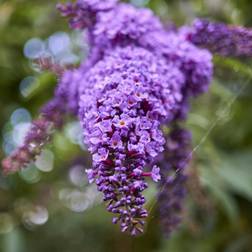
(236,171)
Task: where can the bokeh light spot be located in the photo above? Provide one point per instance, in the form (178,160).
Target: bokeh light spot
(30,174)
(19,132)
(140,3)
(19,116)
(59,42)
(27,85)
(34,48)
(77,175)
(38,215)
(45,161)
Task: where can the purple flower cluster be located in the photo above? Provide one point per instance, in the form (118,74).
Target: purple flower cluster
(39,135)
(172,187)
(138,77)
(83,13)
(220,38)
(124,99)
(67,90)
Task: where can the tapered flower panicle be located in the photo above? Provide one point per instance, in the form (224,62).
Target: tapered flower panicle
(138,77)
(172,186)
(39,135)
(83,13)
(220,38)
(124,99)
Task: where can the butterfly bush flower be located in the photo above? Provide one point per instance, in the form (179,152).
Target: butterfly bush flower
(124,99)
(172,186)
(137,78)
(226,40)
(39,135)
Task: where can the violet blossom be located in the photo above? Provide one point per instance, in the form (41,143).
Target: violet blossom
(172,186)
(137,77)
(226,40)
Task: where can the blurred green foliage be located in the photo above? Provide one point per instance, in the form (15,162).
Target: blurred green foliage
(58,211)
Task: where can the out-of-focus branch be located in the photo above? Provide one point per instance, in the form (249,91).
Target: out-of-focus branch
(226,40)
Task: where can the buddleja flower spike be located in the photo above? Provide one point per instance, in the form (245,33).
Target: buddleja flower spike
(137,78)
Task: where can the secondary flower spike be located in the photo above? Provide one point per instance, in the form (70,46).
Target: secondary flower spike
(39,135)
(124,99)
(220,38)
(137,78)
(172,186)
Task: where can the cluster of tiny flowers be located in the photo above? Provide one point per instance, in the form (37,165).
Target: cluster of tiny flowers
(39,135)
(83,13)
(172,186)
(137,77)
(220,38)
(124,99)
